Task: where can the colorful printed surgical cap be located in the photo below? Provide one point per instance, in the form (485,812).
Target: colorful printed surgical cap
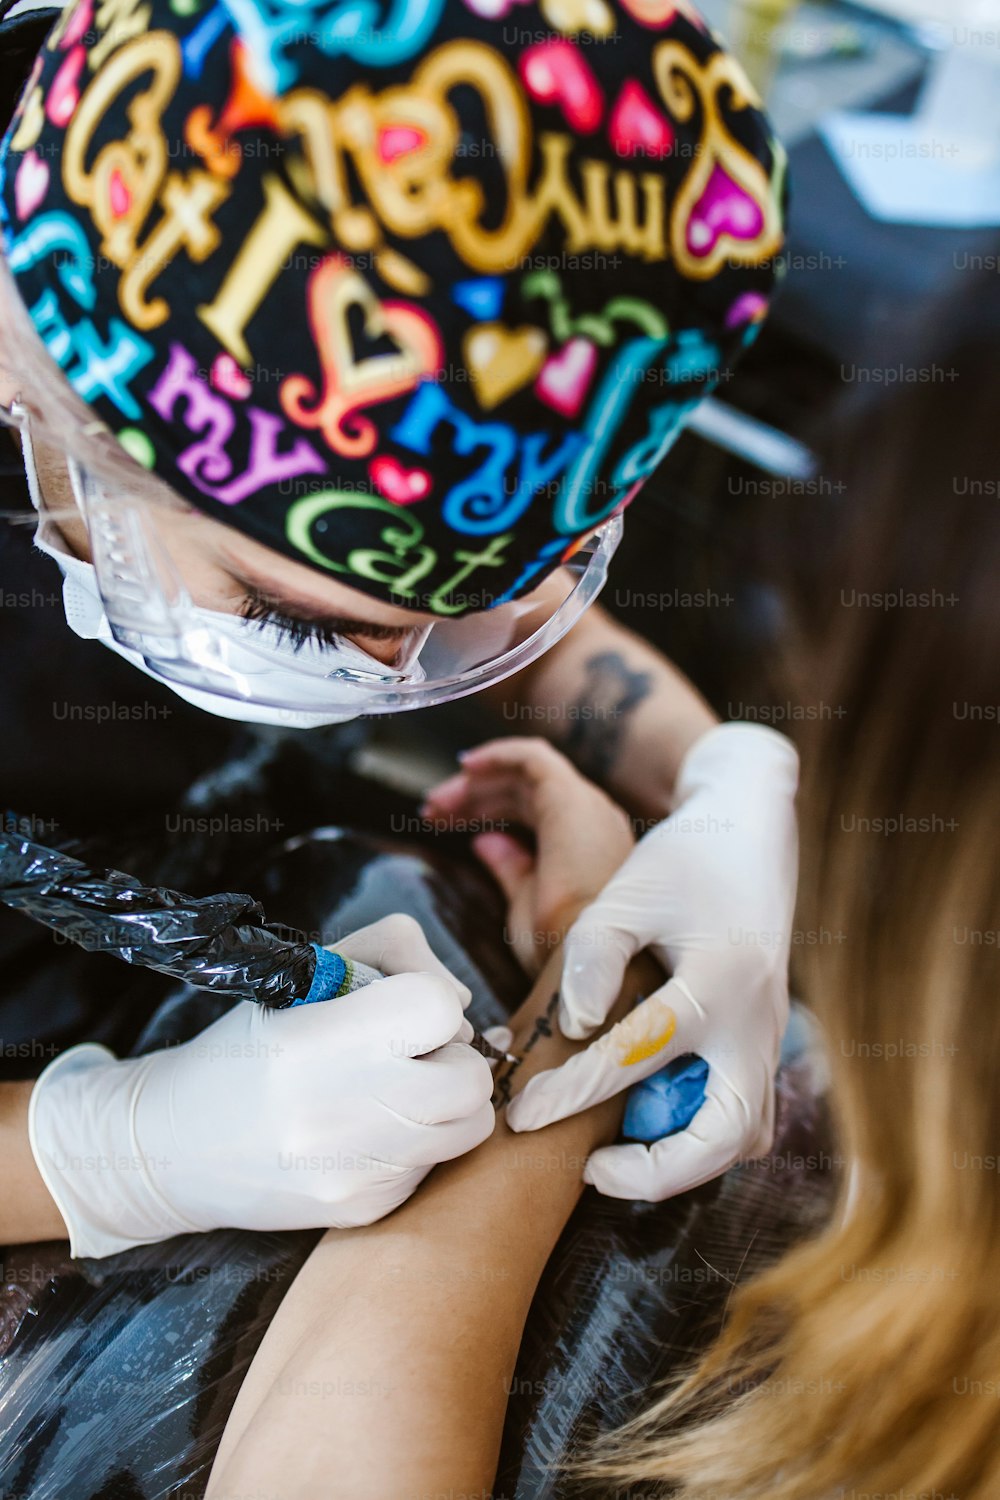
(417,292)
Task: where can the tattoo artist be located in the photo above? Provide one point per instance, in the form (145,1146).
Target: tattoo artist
(324,416)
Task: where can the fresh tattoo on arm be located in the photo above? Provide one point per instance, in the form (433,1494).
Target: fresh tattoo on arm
(612,692)
(541,1026)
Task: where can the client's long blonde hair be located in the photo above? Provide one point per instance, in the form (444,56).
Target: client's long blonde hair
(867,1362)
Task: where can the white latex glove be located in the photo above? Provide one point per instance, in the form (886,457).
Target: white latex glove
(711,892)
(325,1115)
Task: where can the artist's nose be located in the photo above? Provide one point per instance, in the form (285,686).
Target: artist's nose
(389,650)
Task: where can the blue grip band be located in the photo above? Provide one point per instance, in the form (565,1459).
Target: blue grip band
(331,971)
(668,1101)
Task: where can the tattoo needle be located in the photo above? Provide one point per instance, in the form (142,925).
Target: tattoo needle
(491,1053)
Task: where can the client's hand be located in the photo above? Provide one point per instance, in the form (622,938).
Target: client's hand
(581,836)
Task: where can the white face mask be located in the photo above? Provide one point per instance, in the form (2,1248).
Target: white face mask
(86,617)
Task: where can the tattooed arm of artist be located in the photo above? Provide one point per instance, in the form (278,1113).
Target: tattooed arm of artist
(618,708)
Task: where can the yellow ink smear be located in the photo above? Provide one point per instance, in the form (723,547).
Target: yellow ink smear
(645,1032)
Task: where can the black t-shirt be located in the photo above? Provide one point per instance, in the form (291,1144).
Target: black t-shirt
(85,738)
(87,743)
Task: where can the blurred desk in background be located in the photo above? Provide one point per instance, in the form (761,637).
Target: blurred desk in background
(811,81)
(855,284)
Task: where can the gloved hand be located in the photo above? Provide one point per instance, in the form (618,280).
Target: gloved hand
(324,1115)
(711,892)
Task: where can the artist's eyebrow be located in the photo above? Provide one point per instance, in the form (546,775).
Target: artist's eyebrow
(274,602)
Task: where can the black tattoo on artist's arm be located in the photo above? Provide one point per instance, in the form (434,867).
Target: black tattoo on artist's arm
(611,693)
(542,1026)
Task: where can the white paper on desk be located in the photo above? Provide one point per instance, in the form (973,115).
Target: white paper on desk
(903,174)
(948,12)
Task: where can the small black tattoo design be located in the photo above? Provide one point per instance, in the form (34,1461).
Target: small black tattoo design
(542,1027)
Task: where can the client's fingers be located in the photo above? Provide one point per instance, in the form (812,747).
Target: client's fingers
(530,755)
(504,777)
(501,798)
(506,858)
(446,795)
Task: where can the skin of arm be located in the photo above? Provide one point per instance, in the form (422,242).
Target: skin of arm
(27,1208)
(617,707)
(387,1371)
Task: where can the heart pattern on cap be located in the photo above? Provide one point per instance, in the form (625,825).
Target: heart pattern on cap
(564,379)
(229,379)
(662,13)
(397,483)
(30,185)
(502,360)
(64,93)
(557,73)
(481,298)
(492,10)
(31,122)
(636,125)
(80,18)
(416,305)
(398,140)
(119,194)
(723,208)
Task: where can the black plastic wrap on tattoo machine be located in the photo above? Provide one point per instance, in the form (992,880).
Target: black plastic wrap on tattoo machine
(117,1376)
(219,942)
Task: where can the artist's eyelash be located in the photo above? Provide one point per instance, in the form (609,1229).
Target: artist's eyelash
(257,611)
(298,633)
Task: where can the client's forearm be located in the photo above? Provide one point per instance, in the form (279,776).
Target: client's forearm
(387,1370)
(27,1209)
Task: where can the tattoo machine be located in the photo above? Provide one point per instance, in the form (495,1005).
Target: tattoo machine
(220,942)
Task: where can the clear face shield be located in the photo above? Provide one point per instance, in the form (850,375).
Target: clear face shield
(235,666)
